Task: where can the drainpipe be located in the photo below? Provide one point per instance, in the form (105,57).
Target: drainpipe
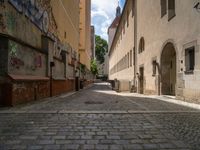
(135,42)
(52,64)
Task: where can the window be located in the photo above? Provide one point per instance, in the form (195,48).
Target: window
(127,15)
(163,4)
(154,63)
(124,27)
(189,59)
(128,59)
(65,35)
(131,55)
(133,9)
(171,9)
(141,45)
(134,56)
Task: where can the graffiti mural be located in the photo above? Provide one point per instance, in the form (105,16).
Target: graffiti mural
(11,22)
(14,60)
(38,61)
(34,11)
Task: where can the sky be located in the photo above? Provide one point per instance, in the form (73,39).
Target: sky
(102,14)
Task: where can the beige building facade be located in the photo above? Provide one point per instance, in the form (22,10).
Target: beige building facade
(85,33)
(166,41)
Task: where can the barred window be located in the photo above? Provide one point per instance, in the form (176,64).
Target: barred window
(163,4)
(171,9)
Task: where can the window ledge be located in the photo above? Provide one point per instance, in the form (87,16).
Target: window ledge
(188,72)
(170,18)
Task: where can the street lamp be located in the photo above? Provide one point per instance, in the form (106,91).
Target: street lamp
(52,64)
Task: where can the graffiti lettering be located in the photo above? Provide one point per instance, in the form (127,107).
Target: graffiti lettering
(16,62)
(11,22)
(32,10)
(13,49)
(38,61)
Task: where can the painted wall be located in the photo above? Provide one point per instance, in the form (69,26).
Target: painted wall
(25,61)
(66,15)
(30,16)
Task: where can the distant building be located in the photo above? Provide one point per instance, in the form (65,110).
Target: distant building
(121,54)
(156,48)
(93,42)
(111,33)
(113,27)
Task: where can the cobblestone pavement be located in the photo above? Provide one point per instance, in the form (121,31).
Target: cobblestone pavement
(98,118)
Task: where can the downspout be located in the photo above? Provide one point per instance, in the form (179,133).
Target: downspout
(135,44)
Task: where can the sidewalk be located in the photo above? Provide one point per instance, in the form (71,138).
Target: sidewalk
(165,98)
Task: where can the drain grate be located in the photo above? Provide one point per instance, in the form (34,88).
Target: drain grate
(93,102)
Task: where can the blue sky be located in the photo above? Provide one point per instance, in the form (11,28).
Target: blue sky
(102,15)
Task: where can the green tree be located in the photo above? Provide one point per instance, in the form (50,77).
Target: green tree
(101,48)
(93,67)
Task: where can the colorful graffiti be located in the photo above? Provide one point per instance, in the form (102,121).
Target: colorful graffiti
(11,22)
(13,49)
(38,61)
(14,60)
(31,8)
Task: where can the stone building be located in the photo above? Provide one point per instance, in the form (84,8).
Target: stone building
(111,33)
(165,48)
(38,49)
(93,42)
(121,53)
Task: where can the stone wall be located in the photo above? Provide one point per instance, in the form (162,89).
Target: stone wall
(62,86)
(23,91)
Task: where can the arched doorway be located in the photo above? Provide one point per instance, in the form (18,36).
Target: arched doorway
(168,70)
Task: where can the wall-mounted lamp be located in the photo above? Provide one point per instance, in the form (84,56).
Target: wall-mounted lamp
(197,7)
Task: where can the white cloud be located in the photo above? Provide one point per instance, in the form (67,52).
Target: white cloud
(103,13)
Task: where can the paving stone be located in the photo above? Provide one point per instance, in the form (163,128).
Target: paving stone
(167,145)
(92,141)
(46,142)
(116,147)
(35,147)
(89,147)
(70,146)
(52,147)
(113,137)
(133,147)
(102,147)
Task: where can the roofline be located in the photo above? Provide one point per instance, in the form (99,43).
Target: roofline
(120,21)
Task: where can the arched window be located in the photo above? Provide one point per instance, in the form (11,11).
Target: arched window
(141,45)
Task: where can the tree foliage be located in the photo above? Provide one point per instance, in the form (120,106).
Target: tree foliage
(101,48)
(93,67)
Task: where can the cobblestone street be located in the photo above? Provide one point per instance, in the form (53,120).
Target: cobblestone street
(99,118)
